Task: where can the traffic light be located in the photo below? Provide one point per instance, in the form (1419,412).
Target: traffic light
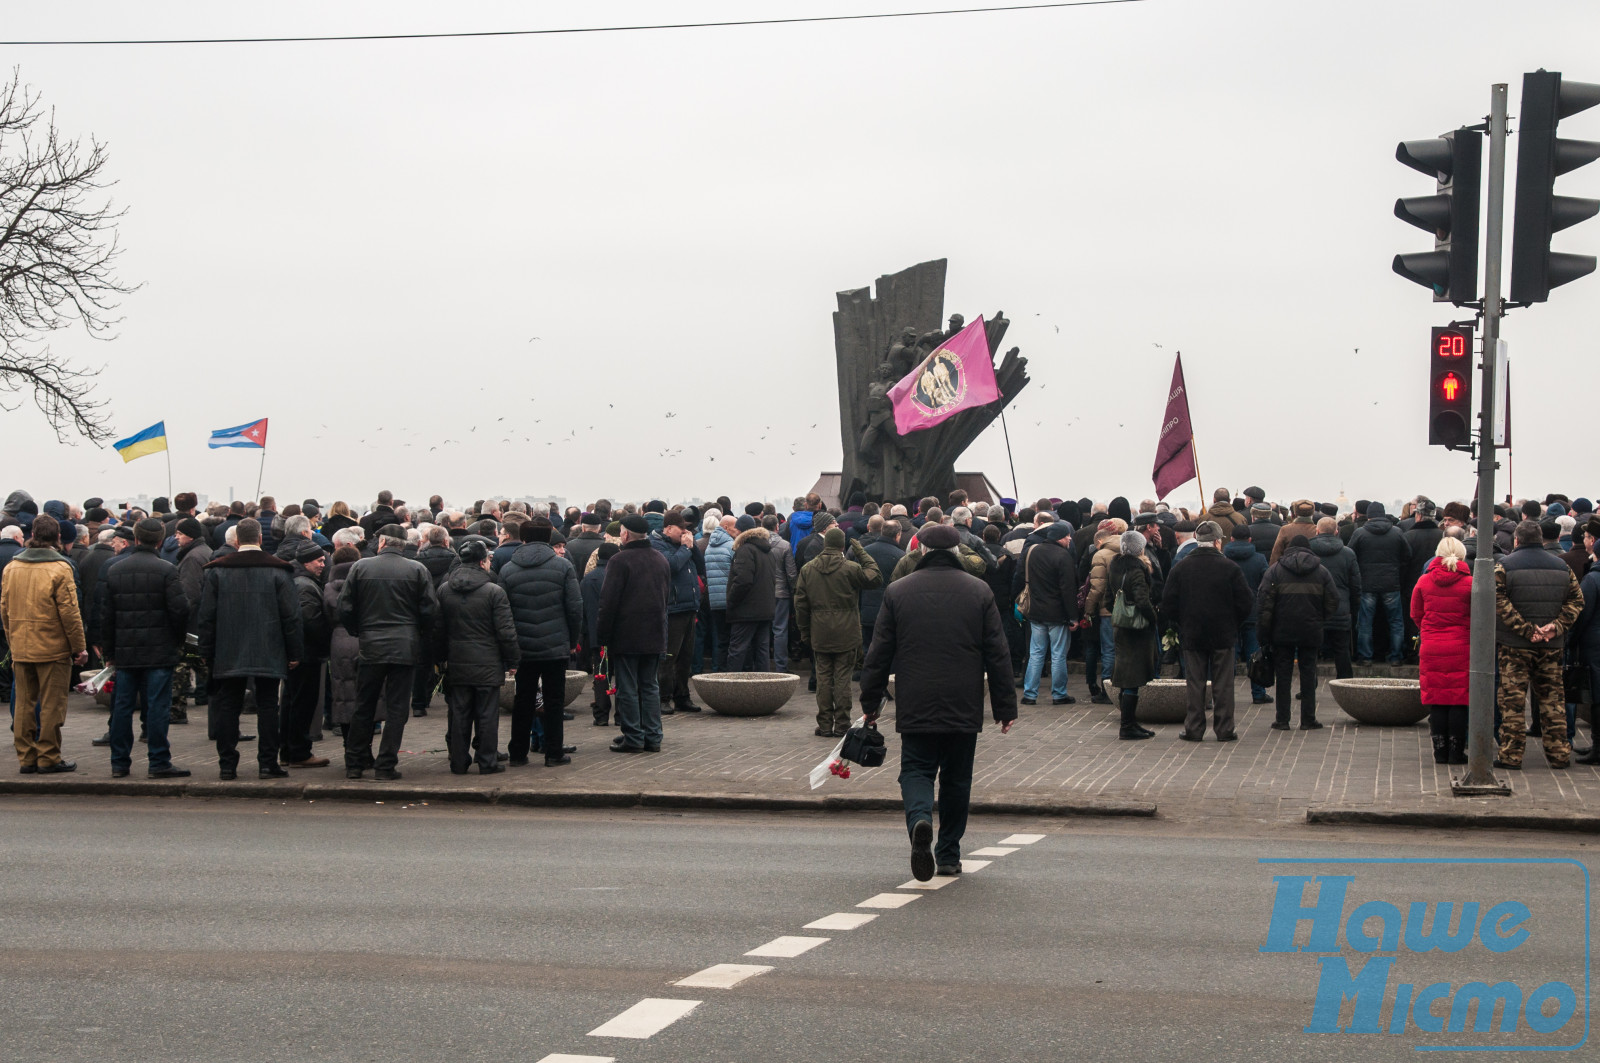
(1541,158)
(1450,387)
(1455,160)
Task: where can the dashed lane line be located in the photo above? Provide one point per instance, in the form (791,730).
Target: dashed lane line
(841,921)
(646,1018)
(721,976)
(787,947)
(568,1057)
(889,900)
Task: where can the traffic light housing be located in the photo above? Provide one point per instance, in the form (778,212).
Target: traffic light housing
(1450,387)
(1541,158)
(1455,161)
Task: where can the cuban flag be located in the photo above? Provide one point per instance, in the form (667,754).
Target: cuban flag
(253,434)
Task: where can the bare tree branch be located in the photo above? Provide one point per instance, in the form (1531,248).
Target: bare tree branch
(58,250)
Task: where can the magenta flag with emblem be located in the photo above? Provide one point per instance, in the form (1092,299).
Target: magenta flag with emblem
(1175,462)
(957,376)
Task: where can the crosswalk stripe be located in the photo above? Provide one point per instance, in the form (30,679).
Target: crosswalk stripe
(994,850)
(841,921)
(969,866)
(1022,839)
(932,884)
(568,1057)
(722,976)
(888,900)
(646,1019)
(787,947)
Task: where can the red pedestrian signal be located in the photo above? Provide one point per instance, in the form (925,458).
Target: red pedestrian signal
(1450,387)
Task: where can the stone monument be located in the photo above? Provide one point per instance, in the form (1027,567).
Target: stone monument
(876,342)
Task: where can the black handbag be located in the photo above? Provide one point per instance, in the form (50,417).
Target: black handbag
(1263,670)
(864,746)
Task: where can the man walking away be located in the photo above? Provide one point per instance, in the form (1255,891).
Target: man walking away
(1208,601)
(1536,600)
(633,629)
(827,609)
(250,632)
(476,640)
(387,602)
(142,632)
(939,632)
(1297,597)
(39,609)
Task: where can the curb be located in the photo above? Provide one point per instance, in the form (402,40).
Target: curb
(705,800)
(1556,821)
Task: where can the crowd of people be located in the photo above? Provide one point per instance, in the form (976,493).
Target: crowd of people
(347,621)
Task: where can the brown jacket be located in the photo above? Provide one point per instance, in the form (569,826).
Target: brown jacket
(1106,551)
(39,608)
(1297,526)
(1226,516)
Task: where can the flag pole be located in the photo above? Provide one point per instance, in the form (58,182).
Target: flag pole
(1009,460)
(262,470)
(169,475)
(1198,478)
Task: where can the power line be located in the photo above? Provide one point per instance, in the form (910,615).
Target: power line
(578,29)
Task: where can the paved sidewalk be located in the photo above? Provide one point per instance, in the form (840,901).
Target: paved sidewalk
(1063,759)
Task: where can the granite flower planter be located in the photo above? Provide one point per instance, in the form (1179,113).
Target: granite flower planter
(577,682)
(1163,701)
(1381,702)
(744,693)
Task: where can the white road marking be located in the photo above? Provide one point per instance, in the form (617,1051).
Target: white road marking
(646,1019)
(994,850)
(888,900)
(787,947)
(969,866)
(1022,839)
(722,976)
(841,921)
(937,883)
(567,1057)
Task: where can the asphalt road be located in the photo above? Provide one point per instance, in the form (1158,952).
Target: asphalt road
(237,930)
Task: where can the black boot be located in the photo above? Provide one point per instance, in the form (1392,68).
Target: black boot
(1130,730)
(1456,749)
(1441,753)
(1439,731)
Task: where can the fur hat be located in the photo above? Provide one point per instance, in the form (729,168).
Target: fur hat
(940,537)
(1457,511)
(190,527)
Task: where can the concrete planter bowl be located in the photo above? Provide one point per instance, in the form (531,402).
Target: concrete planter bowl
(1163,701)
(1381,702)
(577,682)
(744,693)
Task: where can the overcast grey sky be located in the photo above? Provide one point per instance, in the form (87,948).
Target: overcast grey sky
(360,240)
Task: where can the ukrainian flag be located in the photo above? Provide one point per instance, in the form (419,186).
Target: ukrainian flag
(152,440)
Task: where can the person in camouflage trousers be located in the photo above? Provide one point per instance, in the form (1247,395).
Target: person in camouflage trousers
(1536,601)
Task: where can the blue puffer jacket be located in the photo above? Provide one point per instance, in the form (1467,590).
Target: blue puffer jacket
(719,561)
(798,528)
(683,593)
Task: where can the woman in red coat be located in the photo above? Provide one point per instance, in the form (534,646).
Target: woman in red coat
(1441,607)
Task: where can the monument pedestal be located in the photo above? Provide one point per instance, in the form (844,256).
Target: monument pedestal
(977,485)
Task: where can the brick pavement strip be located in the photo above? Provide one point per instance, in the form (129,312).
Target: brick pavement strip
(1058,761)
